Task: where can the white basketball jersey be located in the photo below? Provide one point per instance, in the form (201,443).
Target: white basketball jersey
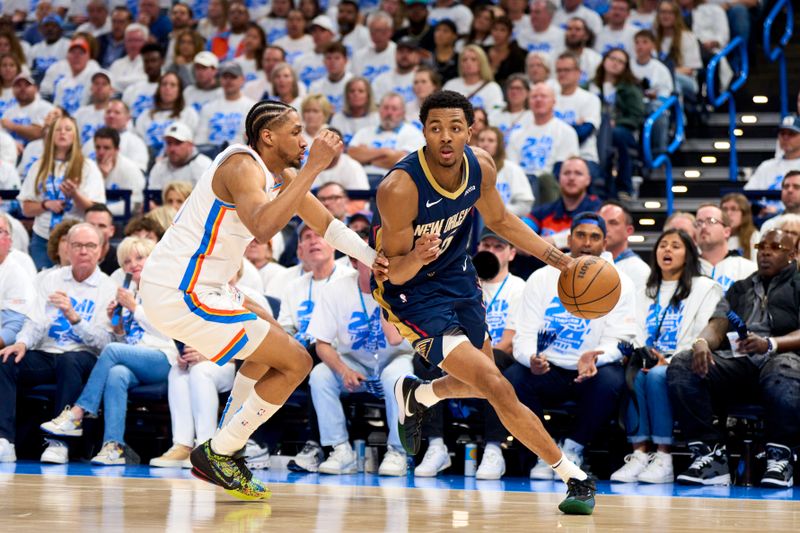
(206,242)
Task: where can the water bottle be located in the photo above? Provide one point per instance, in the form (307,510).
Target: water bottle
(360,446)
(470,459)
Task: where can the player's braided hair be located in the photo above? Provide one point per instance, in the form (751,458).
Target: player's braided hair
(262,115)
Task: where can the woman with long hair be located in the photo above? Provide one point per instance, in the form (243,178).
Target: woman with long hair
(315,112)
(188,43)
(285,85)
(10,44)
(676,305)
(168,106)
(359,110)
(515,115)
(678,47)
(255,41)
(505,56)
(476,80)
(623,104)
(139,355)
(10,68)
(62,183)
(445,56)
(744,235)
(426,82)
(480,123)
(215,21)
(512,183)
(480,32)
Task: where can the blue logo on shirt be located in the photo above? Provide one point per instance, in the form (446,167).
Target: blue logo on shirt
(143,102)
(535,153)
(304,311)
(224,127)
(667,340)
(373,71)
(496,318)
(570,330)
(61,330)
(366,332)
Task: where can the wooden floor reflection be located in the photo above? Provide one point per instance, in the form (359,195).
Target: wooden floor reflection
(60,504)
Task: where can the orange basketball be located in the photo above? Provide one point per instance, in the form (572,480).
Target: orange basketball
(590,288)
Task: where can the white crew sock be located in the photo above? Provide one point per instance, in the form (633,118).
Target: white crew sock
(436,441)
(566,469)
(425,395)
(242,386)
(234,435)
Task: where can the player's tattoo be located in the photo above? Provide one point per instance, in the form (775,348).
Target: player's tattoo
(555,257)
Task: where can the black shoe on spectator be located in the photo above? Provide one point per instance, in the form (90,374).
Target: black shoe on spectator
(779,466)
(709,466)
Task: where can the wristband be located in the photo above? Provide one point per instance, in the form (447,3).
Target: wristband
(347,241)
(772,346)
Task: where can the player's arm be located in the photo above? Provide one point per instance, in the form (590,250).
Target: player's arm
(262,217)
(334,231)
(397,199)
(509,226)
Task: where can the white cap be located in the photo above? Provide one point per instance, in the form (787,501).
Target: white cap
(207,59)
(324,22)
(180,132)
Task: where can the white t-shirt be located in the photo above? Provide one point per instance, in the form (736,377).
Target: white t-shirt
(356,40)
(97,31)
(198,98)
(642,21)
(7,99)
(17,291)
(125,72)
(275,29)
(257,87)
(139,332)
(406,138)
(250,278)
(130,144)
(348,126)
(370,63)
(729,270)
(163,172)
(351,321)
(299,301)
(9,179)
(248,67)
(769,174)
(538,148)
(589,16)
(223,120)
(73,91)
(690,50)
(634,267)
(295,48)
(268,273)
(394,82)
(609,39)
(514,188)
(502,305)
(91,186)
(151,126)
(51,332)
(489,97)
(310,68)
(509,122)
(280,281)
(332,90)
(347,172)
(460,14)
(125,175)
(550,41)
(139,97)
(32,152)
(657,74)
(44,55)
(89,120)
(32,113)
(581,107)
(588,61)
(710,23)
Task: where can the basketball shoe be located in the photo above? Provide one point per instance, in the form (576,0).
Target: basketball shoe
(779,466)
(228,472)
(409,412)
(580,497)
(710,466)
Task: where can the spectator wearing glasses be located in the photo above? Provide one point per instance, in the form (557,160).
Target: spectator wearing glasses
(712,230)
(722,368)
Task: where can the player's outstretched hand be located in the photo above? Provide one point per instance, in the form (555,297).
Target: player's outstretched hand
(325,147)
(426,249)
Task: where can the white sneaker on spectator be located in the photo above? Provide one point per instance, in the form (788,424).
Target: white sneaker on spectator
(492,466)
(435,460)
(635,464)
(256,457)
(175,457)
(342,460)
(308,459)
(64,425)
(394,463)
(573,456)
(56,452)
(110,454)
(543,471)
(659,470)
(8,453)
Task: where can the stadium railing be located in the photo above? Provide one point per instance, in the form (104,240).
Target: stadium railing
(777,53)
(664,160)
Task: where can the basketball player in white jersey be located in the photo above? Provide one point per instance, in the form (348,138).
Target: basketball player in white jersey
(185,288)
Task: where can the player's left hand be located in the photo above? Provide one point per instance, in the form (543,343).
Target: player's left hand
(380,268)
(587,367)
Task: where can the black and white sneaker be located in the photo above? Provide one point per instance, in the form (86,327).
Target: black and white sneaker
(409,412)
(710,466)
(779,466)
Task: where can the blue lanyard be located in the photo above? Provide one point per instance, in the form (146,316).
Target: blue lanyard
(624,255)
(497,292)
(311,281)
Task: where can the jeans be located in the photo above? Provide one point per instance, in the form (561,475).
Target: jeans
(119,368)
(327,387)
(660,130)
(777,383)
(739,23)
(69,371)
(650,418)
(597,398)
(623,141)
(194,400)
(687,86)
(38,251)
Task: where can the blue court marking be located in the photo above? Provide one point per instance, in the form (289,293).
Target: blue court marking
(440,482)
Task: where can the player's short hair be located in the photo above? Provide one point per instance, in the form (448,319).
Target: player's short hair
(263,115)
(447,100)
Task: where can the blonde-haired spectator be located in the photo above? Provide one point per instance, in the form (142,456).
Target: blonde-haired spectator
(476,79)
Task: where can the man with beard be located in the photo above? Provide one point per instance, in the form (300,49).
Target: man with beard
(354,36)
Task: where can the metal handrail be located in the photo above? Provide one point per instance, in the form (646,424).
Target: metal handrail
(777,53)
(663,159)
(727,96)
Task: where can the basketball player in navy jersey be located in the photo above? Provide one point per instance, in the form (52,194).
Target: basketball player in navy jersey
(425,205)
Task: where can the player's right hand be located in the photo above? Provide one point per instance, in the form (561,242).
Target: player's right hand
(325,147)
(427,248)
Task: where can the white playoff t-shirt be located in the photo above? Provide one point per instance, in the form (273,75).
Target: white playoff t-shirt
(223,120)
(538,148)
(405,138)
(584,107)
(370,64)
(502,305)
(488,97)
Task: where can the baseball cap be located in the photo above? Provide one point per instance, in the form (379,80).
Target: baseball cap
(53,18)
(408,42)
(324,22)
(24,75)
(487,233)
(179,131)
(207,59)
(103,72)
(81,43)
(588,217)
(790,122)
(231,67)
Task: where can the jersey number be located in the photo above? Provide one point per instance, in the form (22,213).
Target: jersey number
(445,244)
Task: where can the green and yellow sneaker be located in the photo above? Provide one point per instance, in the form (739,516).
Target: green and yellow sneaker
(580,497)
(228,472)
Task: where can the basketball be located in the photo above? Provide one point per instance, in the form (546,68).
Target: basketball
(590,288)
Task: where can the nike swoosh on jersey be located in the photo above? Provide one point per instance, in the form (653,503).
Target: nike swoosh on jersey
(431,204)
